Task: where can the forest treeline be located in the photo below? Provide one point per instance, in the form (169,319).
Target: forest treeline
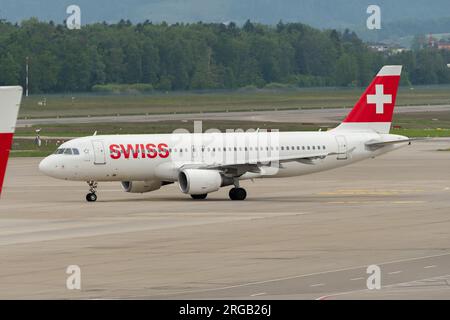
(198,56)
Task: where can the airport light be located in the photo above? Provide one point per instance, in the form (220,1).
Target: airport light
(27,76)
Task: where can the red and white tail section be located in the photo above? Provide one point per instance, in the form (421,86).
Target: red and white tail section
(374,109)
(10,98)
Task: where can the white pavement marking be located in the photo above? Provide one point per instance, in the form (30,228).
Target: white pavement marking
(258,294)
(354,279)
(298,276)
(395,272)
(383,287)
(317,285)
(428,267)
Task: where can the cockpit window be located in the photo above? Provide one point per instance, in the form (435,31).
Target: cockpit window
(67,151)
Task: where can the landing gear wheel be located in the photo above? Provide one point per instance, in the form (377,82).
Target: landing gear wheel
(199,196)
(238,194)
(91,197)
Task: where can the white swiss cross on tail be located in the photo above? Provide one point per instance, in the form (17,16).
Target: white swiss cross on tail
(374,109)
(379,98)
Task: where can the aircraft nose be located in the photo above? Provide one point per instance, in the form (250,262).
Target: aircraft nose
(45,166)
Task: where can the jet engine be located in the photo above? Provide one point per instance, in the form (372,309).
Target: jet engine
(141,186)
(200,181)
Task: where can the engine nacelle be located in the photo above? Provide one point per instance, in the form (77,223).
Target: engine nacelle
(200,181)
(141,186)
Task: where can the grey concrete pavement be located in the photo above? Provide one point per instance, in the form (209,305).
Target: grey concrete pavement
(298,238)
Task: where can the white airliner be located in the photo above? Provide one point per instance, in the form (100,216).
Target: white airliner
(202,163)
(10,98)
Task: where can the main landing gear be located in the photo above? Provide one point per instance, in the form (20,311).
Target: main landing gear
(237,193)
(92,196)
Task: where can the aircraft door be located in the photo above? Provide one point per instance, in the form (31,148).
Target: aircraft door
(99,152)
(342,148)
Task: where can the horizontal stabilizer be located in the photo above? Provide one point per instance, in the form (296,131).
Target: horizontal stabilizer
(376,144)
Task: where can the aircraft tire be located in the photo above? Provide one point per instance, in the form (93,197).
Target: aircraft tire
(238,194)
(199,196)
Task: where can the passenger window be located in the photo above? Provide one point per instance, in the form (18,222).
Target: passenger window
(323,147)
(303,147)
(309,148)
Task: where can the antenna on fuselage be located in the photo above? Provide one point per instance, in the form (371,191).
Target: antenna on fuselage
(95,133)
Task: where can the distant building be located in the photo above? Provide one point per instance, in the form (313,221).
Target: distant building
(378,47)
(439,41)
(444,45)
(388,49)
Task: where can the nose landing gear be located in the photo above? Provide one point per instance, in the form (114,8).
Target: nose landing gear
(92,196)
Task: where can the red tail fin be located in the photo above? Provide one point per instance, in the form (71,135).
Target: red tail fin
(375,108)
(10,98)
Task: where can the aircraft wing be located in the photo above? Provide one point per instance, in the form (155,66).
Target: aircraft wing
(238,168)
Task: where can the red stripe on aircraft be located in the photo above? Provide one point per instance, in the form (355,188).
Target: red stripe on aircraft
(5,147)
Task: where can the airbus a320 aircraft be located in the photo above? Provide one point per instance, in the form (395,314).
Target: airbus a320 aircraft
(202,163)
(10,98)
